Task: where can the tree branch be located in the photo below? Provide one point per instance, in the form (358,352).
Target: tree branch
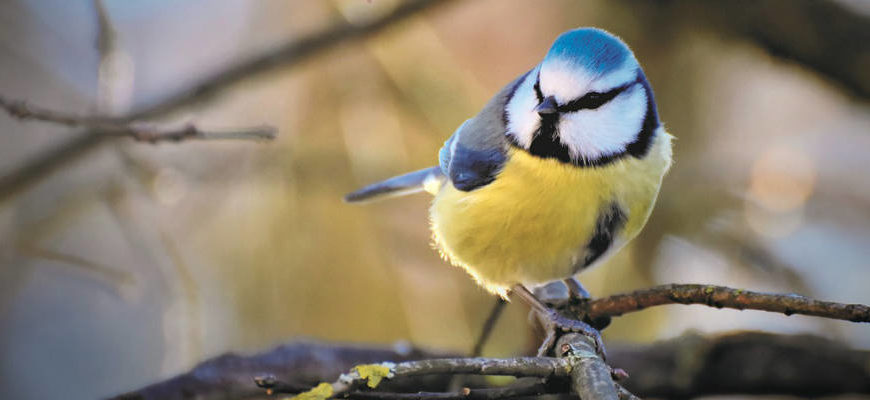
(292,53)
(372,374)
(825,36)
(120,127)
(535,389)
(590,376)
(284,56)
(688,366)
(743,363)
(754,363)
(722,297)
(521,388)
(299,364)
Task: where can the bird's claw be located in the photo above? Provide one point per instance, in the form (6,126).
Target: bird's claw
(553,321)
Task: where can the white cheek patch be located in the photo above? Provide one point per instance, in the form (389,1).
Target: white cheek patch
(607,130)
(522,118)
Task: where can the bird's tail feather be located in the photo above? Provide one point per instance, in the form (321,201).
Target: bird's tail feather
(429,179)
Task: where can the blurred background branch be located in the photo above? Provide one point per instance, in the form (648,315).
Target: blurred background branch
(285,56)
(292,53)
(140,131)
(824,36)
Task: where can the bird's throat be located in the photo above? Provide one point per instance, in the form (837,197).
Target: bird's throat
(546,143)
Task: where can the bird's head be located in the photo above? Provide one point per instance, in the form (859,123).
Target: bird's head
(588,102)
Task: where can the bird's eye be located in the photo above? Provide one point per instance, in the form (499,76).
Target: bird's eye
(595,99)
(592,100)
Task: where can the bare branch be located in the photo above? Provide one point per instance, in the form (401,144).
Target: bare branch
(723,297)
(746,363)
(485,331)
(299,364)
(543,367)
(292,53)
(684,367)
(590,376)
(526,389)
(284,56)
(119,127)
(488,326)
(824,36)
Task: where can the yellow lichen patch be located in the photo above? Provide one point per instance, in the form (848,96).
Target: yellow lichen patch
(322,391)
(709,290)
(373,373)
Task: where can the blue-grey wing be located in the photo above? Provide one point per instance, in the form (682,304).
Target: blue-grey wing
(469,168)
(474,155)
(446,152)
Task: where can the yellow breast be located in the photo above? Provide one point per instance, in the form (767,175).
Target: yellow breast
(532,223)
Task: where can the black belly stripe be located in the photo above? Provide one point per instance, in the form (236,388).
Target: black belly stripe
(610,221)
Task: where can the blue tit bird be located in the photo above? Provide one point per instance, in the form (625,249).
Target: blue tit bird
(559,170)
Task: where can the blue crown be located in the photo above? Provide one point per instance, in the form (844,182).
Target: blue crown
(591,49)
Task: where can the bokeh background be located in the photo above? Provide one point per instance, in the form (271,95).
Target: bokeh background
(127,263)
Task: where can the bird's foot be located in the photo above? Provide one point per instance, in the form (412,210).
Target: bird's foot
(553,322)
(579,296)
(576,289)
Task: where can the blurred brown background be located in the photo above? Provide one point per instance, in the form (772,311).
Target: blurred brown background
(130,263)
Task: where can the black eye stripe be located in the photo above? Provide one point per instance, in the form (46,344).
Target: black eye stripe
(593,100)
(589,101)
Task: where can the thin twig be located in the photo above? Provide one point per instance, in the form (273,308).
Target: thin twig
(120,127)
(458,381)
(292,53)
(724,297)
(274,385)
(520,390)
(371,375)
(542,367)
(497,308)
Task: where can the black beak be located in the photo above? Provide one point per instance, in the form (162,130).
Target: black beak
(547,107)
